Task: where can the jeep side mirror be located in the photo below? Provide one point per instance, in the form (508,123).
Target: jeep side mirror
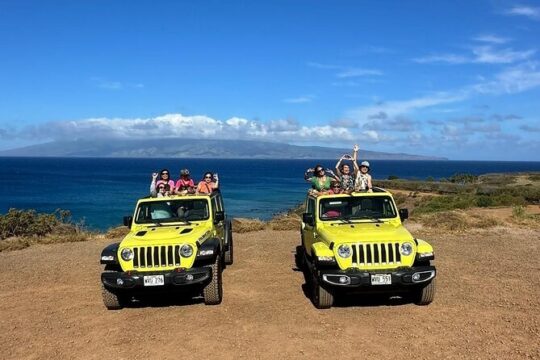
(308,219)
(127,221)
(403,214)
(220,216)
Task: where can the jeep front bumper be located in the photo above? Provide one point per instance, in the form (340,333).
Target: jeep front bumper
(385,280)
(175,278)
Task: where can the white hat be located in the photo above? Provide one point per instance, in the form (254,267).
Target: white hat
(365,163)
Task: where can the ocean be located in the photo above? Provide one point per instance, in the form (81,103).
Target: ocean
(100,191)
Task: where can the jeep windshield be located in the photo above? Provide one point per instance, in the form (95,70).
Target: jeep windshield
(170,211)
(357,208)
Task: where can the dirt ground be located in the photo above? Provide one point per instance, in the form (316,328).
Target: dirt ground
(486,307)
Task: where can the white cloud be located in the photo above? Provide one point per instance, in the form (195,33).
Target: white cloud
(300,100)
(181,126)
(490,55)
(511,80)
(528,11)
(445,58)
(491,39)
(357,72)
(107,84)
(393,108)
(484,54)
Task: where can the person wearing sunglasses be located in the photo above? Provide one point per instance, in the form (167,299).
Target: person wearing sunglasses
(159,189)
(320,179)
(209,183)
(165,178)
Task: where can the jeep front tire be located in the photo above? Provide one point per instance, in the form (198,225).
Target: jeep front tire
(112,300)
(321,298)
(425,295)
(213,292)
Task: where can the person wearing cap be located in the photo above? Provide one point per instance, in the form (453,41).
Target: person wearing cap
(185,184)
(363,179)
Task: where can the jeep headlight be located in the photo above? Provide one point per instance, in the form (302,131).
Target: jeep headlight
(186,250)
(126,254)
(406,249)
(344,251)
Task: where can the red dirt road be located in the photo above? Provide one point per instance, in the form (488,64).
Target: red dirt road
(486,307)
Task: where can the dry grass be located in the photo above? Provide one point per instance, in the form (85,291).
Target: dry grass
(458,220)
(285,222)
(18,243)
(117,232)
(243,225)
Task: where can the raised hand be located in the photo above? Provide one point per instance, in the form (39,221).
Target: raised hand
(355,148)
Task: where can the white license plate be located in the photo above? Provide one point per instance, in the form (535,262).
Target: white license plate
(154,280)
(381,279)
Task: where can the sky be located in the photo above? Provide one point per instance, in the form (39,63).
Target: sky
(458,79)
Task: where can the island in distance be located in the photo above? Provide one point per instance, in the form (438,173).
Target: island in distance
(196,148)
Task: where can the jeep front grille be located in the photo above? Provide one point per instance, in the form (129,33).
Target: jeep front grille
(376,254)
(156,256)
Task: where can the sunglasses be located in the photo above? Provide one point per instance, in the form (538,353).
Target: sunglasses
(207,177)
(161,187)
(164,173)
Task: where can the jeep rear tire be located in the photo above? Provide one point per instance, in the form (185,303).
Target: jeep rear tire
(213,292)
(229,259)
(321,298)
(425,295)
(299,257)
(112,300)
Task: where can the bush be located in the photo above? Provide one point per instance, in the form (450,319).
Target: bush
(17,223)
(392,177)
(463,178)
(242,225)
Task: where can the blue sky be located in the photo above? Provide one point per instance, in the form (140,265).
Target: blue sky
(459,79)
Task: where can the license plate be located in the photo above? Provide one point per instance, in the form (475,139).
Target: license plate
(154,280)
(381,279)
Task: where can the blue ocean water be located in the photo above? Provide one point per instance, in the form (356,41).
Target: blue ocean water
(101,191)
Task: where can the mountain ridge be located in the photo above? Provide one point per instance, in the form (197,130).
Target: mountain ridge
(196,148)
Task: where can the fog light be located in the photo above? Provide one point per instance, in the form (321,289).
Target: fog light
(343,279)
(416,277)
(119,282)
(189,277)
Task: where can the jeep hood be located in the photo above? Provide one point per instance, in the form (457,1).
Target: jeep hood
(166,234)
(364,231)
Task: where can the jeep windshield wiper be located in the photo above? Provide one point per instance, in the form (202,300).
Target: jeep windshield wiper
(345,220)
(368,217)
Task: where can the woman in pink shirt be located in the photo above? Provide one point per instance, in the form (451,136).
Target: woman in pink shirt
(165,178)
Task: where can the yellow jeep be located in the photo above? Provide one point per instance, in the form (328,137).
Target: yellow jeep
(175,243)
(357,243)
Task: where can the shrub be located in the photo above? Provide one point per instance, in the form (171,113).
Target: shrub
(463,178)
(30,223)
(287,222)
(242,225)
(392,177)
(518,212)
(451,220)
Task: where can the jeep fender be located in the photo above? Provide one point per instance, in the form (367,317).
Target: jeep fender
(210,248)
(423,246)
(109,255)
